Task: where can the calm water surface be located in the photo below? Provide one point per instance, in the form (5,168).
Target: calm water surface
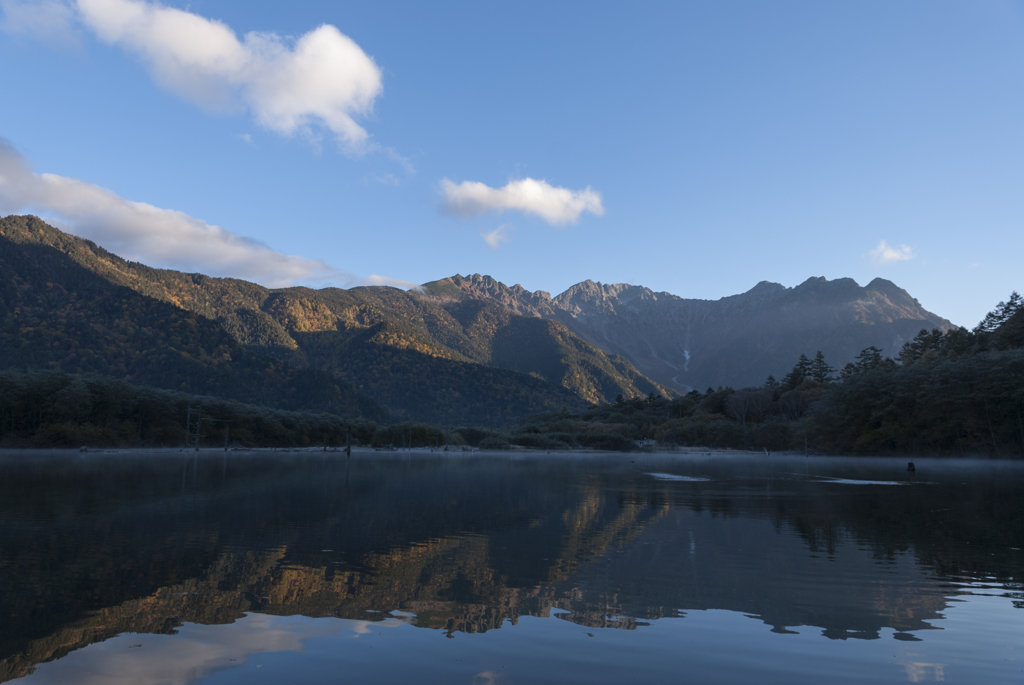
(309,568)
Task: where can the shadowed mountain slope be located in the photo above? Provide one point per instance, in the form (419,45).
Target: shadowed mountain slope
(735,341)
(420,356)
(57,314)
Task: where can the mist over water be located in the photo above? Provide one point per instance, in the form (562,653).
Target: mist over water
(489,568)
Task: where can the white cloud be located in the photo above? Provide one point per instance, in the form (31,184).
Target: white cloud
(382,178)
(161,237)
(195,650)
(322,79)
(887,254)
(50,21)
(554,205)
(498,236)
(404,162)
(374,279)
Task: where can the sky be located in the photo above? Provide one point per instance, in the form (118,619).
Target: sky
(691,147)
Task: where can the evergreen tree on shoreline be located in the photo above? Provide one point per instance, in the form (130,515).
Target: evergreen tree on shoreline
(801,372)
(820,370)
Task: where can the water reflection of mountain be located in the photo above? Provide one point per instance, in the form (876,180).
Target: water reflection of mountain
(90,550)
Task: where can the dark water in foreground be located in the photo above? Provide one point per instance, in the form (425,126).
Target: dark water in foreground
(148,569)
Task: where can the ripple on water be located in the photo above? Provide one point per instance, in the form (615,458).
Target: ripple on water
(672,476)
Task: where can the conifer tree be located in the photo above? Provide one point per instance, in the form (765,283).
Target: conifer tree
(800,373)
(820,370)
(869,358)
(922,343)
(1003,311)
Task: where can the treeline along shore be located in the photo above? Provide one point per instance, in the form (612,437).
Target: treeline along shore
(955,393)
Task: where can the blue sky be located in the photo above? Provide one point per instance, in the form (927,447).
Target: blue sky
(695,148)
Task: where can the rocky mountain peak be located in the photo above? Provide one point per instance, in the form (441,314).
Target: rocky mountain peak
(821,286)
(483,287)
(736,340)
(895,293)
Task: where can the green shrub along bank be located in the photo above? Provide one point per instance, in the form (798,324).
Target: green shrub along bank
(544,432)
(55,409)
(419,435)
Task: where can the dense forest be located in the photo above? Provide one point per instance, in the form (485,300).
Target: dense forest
(56,409)
(955,393)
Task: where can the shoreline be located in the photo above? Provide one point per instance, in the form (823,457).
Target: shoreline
(364,451)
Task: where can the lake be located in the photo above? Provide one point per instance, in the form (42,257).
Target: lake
(219,568)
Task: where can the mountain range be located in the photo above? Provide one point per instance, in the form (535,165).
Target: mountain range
(462,349)
(737,341)
(69,305)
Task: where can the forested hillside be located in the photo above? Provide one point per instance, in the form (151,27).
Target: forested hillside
(72,306)
(55,314)
(961,392)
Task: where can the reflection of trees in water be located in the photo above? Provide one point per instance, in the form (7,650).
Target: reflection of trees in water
(467,545)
